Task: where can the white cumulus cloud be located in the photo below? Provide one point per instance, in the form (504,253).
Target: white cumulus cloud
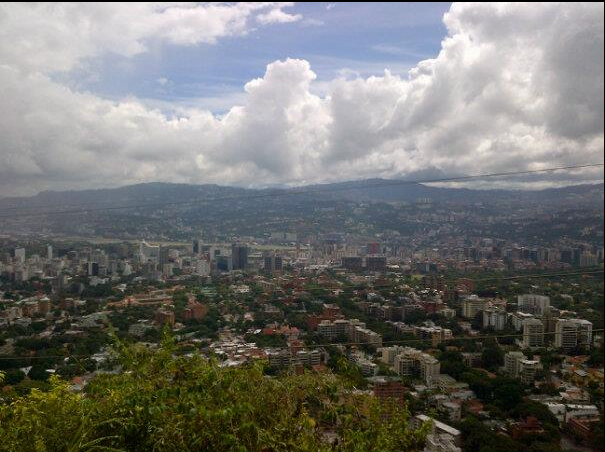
(514,87)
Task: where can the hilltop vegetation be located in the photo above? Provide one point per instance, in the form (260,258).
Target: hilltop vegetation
(159,402)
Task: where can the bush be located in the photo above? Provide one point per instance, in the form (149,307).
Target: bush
(167,403)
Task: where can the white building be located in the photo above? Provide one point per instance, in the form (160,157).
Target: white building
(511,362)
(533,304)
(566,334)
(472,305)
(495,318)
(20,255)
(518,318)
(527,370)
(533,333)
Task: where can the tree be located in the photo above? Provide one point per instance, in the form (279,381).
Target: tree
(38,372)
(14,376)
(507,393)
(477,437)
(160,402)
(452,363)
(492,356)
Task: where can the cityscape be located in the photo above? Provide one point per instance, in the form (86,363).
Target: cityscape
(268,303)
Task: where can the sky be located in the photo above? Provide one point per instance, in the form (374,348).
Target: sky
(287,94)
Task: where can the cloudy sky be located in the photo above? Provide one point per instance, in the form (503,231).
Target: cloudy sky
(266,94)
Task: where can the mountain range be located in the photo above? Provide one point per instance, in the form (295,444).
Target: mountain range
(369,190)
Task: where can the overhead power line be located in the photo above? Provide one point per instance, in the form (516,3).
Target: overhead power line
(291,192)
(334,344)
(370,286)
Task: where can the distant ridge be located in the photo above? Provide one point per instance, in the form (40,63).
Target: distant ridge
(154,192)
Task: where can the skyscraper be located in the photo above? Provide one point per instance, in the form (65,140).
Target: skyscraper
(273,263)
(239,254)
(164,256)
(197,246)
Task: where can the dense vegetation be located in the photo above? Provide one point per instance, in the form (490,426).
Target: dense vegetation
(172,403)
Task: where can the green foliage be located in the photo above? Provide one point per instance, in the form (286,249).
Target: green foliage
(267,340)
(477,437)
(452,363)
(503,392)
(492,355)
(38,372)
(166,403)
(13,377)
(537,410)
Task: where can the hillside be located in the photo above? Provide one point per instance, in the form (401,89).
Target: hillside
(376,190)
(176,211)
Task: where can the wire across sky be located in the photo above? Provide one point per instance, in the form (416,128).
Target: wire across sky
(289,192)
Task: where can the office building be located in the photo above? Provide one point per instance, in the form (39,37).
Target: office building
(224,263)
(353,263)
(376,264)
(239,256)
(164,256)
(273,263)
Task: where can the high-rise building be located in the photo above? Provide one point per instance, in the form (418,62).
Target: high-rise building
(93,269)
(472,305)
(147,251)
(353,263)
(429,367)
(411,362)
(386,389)
(527,370)
(278,263)
(197,246)
(202,268)
(164,317)
(534,304)
(224,263)
(584,331)
(566,334)
(495,318)
(20,255)
(49,252)
(376,264)
(273,263)
(239,255)
(164,255)
(533,333)
(511,362)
